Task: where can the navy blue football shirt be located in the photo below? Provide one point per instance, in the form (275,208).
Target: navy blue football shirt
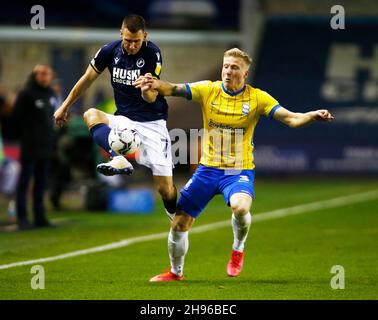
(124,70)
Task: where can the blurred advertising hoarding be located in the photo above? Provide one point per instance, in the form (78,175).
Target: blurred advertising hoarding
(306,65)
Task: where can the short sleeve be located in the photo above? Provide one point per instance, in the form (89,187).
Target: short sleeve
(154,64)
(198,91)
(267,105)
(101,59)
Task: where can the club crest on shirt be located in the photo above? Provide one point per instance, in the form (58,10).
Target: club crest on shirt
(140,63)
(39,103)
(245,108)
(116,60)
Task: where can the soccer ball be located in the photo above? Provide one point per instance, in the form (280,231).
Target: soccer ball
(124,141)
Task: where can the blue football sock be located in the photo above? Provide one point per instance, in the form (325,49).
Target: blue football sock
(100,133)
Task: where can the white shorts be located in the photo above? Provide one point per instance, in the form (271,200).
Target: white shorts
(155,149)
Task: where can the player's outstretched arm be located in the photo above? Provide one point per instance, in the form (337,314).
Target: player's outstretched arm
(298,119)
(61,114)
(163,88)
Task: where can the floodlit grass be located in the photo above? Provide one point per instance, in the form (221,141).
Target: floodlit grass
(286,258)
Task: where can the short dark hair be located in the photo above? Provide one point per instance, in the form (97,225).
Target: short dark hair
(134,23)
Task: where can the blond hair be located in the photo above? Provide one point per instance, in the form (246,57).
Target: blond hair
(235,52)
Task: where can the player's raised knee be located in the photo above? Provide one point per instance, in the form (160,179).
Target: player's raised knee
(93,116)
(240,209)
(89,115)
(240,203)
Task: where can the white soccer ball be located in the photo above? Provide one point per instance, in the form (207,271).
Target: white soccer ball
(124,141)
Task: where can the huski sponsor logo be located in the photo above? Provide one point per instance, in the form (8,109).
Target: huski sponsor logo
(124,76)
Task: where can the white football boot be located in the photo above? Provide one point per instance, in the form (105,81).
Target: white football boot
(118,165)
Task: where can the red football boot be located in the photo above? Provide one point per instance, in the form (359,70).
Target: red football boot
(235,265)
(167,276)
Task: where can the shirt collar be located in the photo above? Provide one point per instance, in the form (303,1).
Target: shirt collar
(232,94)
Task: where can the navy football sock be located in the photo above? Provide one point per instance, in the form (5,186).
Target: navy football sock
(170,204)
(100,133)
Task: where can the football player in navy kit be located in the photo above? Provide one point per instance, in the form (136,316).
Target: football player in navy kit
(126,60)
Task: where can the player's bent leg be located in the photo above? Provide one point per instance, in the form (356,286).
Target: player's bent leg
(94,116)
(168,192)
(118,165)
(98,123)
(178,244)
(195,195)
(240,204)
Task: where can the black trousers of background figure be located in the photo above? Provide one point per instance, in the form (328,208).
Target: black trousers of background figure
(38,170)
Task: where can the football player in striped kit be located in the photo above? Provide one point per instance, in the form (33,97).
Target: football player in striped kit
(231,110)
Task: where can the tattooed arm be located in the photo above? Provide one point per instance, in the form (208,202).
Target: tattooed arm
(162,87)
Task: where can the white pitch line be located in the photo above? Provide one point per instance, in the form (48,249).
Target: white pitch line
(275,214)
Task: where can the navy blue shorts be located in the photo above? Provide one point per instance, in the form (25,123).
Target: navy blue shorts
(206,182)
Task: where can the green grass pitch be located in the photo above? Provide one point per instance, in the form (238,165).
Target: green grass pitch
(286,258)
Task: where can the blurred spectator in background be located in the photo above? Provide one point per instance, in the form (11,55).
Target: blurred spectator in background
(2,105)
(33,116)
(2,157)
(59,170)
(74,150)
(9,166)
(8,131)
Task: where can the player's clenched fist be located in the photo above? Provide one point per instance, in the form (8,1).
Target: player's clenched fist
(323,115)
(147,86)
(61,116)
(145,82)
